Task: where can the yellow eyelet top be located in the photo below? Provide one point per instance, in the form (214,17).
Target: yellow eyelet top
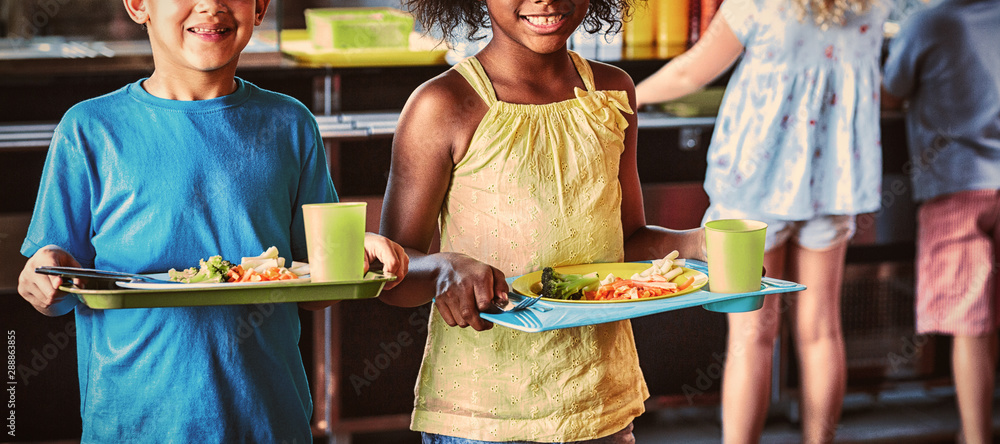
(537,187)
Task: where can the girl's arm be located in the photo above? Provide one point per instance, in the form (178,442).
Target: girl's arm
(643,242)
(434,128)
(712,55)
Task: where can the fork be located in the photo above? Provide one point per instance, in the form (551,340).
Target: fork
(525,302)
(74,272)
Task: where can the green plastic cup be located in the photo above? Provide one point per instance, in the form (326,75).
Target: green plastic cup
(735,255)
(335,239)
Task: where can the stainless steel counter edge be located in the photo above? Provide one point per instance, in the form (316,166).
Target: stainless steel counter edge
(20,136)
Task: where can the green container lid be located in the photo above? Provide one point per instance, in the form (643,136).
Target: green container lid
(359,28)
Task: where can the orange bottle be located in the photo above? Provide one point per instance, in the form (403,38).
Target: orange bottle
(708,8)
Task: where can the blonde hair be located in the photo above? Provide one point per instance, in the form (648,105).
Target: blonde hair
(830,12)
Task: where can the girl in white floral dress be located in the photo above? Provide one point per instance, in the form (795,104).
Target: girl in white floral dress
(797,145)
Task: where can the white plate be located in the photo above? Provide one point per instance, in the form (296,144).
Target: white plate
(166,276)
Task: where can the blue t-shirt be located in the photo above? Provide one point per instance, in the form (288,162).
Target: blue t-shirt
(797,135)
(946,62)
(136,183)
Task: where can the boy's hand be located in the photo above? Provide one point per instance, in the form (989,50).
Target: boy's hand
(41,290)
(392,256)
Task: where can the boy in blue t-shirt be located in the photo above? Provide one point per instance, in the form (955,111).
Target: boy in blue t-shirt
(188,163)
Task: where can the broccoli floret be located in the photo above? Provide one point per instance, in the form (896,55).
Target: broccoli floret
(217,265)
(212,270)
(556,285)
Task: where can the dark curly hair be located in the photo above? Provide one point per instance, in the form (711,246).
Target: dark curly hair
(450,15)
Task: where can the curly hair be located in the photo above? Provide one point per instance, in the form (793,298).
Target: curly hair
(830,12)
(451,16)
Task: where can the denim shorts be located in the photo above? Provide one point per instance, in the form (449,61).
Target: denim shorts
(818,233)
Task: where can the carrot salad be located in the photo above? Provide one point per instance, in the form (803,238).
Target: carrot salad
(636,289)
(657,280)
(239,274)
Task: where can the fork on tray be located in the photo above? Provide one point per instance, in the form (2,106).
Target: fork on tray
(523,303)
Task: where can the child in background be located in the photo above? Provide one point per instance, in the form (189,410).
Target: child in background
(945,63)
(526,155)
(188,163)
(797,145)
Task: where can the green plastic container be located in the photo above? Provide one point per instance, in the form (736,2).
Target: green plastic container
(359,28)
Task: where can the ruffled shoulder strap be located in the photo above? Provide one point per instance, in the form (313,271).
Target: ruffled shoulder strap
(606,105)
(583,68)
(474,73)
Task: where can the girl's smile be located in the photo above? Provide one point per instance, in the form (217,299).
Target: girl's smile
(544,24)
(539,26)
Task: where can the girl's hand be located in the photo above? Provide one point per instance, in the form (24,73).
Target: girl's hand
(41,290)
(465,288)
(392,256)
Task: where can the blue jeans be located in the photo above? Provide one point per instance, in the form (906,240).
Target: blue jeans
(622,437)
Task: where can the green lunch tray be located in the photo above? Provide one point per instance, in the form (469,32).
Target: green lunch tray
(181,295)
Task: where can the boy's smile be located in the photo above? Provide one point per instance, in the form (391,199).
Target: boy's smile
(210,33)
(193,38)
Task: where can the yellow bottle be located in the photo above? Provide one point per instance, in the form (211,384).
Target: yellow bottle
(671,24)
(640,31)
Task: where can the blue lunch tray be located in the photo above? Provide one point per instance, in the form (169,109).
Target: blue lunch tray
(550,315)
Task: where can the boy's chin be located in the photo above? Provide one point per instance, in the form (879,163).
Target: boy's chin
(213,66)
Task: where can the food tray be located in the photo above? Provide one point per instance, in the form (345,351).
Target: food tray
(547,315)
(177,295)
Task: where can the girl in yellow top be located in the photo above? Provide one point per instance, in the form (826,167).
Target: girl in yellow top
(525,154)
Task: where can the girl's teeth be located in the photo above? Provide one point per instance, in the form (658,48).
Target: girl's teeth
(206,31)
(542,20)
